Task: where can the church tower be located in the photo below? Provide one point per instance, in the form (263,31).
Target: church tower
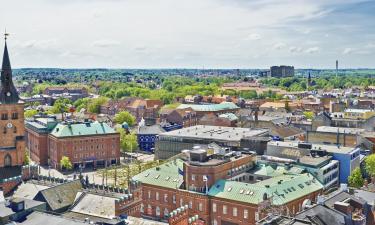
(12,127)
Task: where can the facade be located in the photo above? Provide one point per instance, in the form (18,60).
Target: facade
(348,157)
(173,142)
(184,117)
(147,137)
(282,71)
(138,107)
(37,131)
(88,143)
(201,110)
(204,184)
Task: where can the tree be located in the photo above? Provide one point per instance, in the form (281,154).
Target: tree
(66,163)
(128,142)
(355,179)
(61,105)
(308,115)
(124,116)
(30,113)
(370,164)
(94,105)
(27,158)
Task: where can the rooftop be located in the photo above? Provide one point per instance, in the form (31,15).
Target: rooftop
(81,129)
(216,133)
(341,130)
(166,175)
(316,147)
(210,107)
(29,204)
(280,189)
(37,218)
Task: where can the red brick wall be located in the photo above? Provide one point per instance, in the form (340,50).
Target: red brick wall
(78,149)
(37,144)
(8,134)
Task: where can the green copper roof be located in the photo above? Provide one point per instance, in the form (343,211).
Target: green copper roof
(282,189)
(166,175)
(81,129)
(273,171)
(209,108)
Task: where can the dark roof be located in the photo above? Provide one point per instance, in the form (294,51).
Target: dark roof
(153,129)
(29,204)
(8,93)
(60,196)
(319,213)
(341,196)
(10,172)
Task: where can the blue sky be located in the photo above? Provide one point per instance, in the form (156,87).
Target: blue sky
(190,34)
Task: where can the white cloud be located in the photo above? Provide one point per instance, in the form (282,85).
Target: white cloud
(279,45)
(347,51)
(295,49)
(312,50)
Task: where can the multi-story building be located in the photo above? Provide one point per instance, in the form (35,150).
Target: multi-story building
(88,143)
(72,93)
(282,71)
(203,182)
(138,107)
(184,117)
(201,110)
(348,157)
(37,131)
(173,142)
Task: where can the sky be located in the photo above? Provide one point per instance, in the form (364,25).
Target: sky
(189,33)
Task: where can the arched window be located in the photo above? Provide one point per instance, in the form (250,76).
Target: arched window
(7,160)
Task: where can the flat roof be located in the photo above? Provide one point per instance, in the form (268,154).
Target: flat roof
(341,130)
(317,147)
(218,133)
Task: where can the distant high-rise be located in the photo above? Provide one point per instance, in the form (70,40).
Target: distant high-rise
(337,67)
(282,71)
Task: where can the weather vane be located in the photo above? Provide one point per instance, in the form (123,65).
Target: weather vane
(6,34)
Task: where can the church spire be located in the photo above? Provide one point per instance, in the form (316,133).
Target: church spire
(8,93)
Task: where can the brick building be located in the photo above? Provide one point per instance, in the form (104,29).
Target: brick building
(214,187)
(88,143)
(138,107)
(185,117)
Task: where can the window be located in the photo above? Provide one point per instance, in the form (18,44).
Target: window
(174,199)
(14,116)
(190,204)
(149,194)
(165,197)
(245,214)
(234,211)
(214,207)
(193,177)
(225,210)
(200,207)
(181,202)
(4,116)
(157,212)
(142,208)
(215,222)
(157,196)
(166,212)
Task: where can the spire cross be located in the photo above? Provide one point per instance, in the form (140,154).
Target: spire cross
(6,34)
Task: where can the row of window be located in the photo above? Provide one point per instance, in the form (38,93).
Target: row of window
(234,211)
(4,116)
(165,199)
(5,130)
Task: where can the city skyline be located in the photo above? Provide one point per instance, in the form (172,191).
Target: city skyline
(195,34)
